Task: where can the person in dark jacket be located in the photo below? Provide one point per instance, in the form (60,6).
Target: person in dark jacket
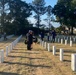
(48,36)
(42,36)
(29,40)
(53,35)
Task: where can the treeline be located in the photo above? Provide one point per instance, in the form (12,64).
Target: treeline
(65,11)
(13,16)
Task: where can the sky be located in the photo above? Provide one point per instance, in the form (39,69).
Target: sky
(48,2)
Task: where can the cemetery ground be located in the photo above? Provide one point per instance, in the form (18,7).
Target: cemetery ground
(38,61)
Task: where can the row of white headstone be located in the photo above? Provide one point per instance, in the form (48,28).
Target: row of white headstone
(63,41)
(9,49)
(59,37)
(68,37)
(73,56)
(8,37)
(71,42)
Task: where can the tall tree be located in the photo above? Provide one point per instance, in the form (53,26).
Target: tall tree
(49,16)
(17,17)
(65,12)
(39,8)
(3,10)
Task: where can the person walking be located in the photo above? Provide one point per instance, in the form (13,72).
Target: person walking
(53,35)
(42,36)
(48,36)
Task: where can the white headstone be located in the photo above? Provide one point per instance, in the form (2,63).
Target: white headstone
(54,50)
(1,56)
(6,50)
(73,62)
(74,39)
(49,47)
(61,41)
(61,54)
(45,45)
(65,42)
(71,43)
(58,40)
(42,43)
(55,39)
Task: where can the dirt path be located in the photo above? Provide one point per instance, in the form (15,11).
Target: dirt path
(38,61)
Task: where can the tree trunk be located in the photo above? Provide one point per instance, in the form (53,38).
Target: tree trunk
(2,15)
(38,20)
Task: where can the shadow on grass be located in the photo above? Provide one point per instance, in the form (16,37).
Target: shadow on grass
(56,54)
(24,57)
(69,51)
(67,60)
(66,51)
(8,73)
(28,52)
(32,52)
(64,55)
(67,55)
(20,49)
(26,64)
(17,52)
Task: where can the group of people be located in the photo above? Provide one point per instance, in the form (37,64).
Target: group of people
(30,39)
(52,33)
